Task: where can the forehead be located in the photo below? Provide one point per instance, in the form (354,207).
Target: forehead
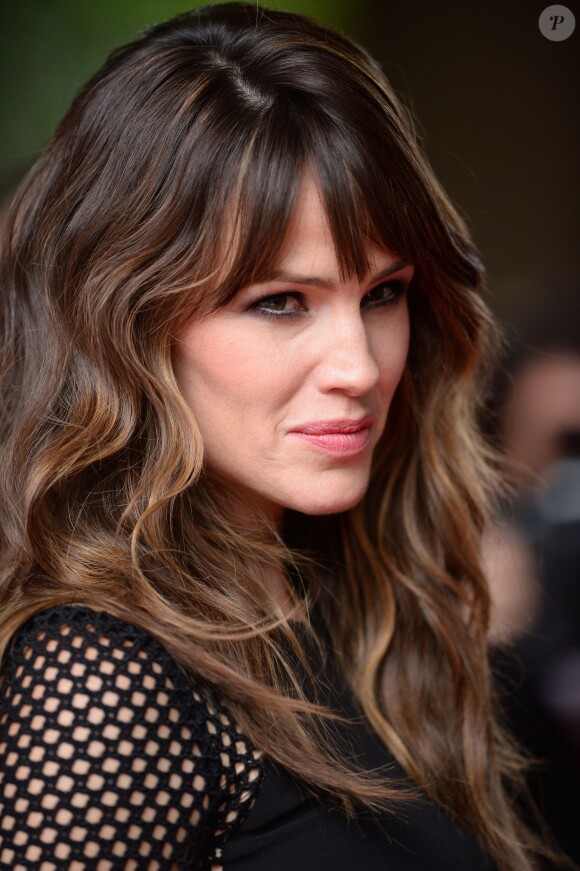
(308,246)
(308,237)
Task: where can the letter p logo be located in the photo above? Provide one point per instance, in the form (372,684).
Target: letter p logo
(557,23)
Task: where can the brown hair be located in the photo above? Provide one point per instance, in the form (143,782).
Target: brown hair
(195,135)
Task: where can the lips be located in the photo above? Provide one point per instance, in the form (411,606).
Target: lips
(326,427)
(341,438)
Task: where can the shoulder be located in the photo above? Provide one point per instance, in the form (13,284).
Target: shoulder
(104,703)
(81,628)
(76,654)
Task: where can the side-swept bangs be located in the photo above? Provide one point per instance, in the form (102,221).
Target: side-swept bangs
(344,130)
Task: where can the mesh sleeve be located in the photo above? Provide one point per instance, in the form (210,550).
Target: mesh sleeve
(111,758)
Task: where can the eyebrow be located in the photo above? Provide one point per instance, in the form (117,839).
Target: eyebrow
(292,278)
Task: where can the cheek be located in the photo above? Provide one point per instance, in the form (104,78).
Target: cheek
(213,363)
(393,349)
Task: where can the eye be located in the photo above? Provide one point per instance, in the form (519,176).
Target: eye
(385,294)
(278,305)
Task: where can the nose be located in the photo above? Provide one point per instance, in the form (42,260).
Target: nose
(346,359)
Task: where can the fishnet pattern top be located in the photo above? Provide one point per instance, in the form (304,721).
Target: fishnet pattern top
(110,757)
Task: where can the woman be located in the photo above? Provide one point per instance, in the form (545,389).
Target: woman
(243,618)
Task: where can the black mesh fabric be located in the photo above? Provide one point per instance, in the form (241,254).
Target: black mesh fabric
(111,757)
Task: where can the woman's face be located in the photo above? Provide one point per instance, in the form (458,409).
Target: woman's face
(273,376)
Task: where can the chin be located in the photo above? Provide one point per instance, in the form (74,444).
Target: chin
(324,504)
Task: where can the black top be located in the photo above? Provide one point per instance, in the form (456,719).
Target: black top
(112,758)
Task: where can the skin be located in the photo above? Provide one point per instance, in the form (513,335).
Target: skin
(250,379)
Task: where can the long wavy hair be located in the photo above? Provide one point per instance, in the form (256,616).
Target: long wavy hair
(167,188)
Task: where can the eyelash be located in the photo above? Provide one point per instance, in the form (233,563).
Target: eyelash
(397,289)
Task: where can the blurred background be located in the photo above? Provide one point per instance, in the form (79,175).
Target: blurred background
(496,107)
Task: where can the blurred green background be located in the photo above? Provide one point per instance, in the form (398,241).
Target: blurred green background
(495,103)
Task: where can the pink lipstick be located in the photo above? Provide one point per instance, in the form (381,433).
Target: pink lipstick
(341,437)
